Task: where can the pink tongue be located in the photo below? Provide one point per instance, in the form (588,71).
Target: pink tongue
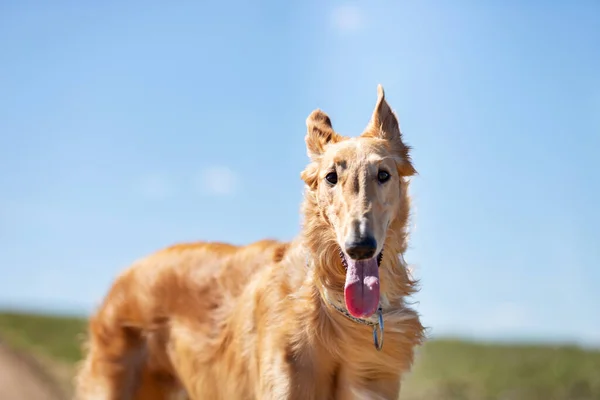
(361,291)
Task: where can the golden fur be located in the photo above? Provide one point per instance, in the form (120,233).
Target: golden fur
(216,321)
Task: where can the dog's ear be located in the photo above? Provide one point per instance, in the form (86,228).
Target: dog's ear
(384,125)
(319,134)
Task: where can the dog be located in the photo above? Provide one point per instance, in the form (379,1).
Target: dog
(323,316)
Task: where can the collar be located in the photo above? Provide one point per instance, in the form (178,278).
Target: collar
(345,313)
(378,323)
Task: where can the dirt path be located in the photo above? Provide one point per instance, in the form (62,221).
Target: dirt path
(23,378)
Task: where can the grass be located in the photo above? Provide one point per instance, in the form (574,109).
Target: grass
(57,338)
(444,370)
(456,370)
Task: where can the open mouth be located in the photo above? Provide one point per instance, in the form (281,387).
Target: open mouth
(361,290)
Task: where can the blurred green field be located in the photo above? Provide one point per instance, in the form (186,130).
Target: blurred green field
(57,338)
(456,370)
(445,369)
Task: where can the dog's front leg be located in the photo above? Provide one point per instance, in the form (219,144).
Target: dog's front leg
(284,378)
(353,387)
(274,382)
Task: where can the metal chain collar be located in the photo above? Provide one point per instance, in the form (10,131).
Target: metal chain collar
(377,326)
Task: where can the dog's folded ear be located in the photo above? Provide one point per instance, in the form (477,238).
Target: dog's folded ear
(319,133)
(384,125)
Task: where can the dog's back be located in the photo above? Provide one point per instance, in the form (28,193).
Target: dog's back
(129,337)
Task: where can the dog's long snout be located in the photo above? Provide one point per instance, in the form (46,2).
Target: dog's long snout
(361,248)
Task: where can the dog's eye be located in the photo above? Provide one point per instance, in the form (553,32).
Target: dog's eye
(383,176)
(331,178)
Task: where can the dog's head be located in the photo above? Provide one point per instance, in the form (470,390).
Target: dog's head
(357,204)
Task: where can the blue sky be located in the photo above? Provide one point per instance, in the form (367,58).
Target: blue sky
(128,127)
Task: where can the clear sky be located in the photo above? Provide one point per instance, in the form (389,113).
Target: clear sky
(128,126)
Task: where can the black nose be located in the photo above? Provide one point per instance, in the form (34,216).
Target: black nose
(361,249)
